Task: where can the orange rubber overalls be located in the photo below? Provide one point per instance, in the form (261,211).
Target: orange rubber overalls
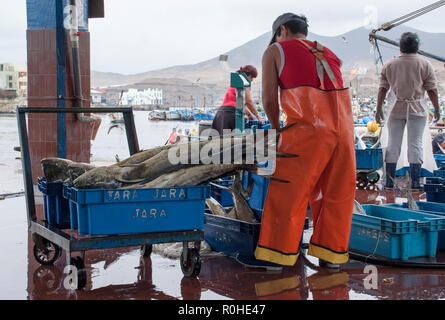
(323,174)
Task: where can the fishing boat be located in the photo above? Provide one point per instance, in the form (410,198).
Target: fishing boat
(173,115)
(186,115)
(157,115)
(202,115)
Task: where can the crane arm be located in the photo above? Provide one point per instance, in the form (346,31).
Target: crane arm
(373,37)
(395,43)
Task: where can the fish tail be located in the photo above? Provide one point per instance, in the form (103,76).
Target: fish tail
(276,179)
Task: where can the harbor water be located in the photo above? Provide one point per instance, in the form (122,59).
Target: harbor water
(108,144)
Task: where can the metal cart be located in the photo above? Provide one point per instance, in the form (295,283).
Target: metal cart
(368,162)
(49,241)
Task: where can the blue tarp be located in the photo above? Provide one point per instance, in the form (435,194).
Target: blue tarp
(41,14)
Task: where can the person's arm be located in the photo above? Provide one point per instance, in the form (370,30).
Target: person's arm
(383,91)
(270,86)
(380,101)
(434,97)
(430,86)
(250,105)
(381,97)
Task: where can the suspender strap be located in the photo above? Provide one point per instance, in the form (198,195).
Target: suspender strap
(321,64)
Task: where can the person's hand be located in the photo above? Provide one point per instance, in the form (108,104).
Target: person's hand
(379,115)
(437,114)
(260,119)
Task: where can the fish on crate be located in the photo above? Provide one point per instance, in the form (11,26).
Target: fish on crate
(63,170)
(153,169)
(218,210)
(241,210)
(145,167)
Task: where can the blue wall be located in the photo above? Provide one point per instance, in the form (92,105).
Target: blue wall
(41,14)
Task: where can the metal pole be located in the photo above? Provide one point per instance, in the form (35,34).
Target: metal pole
(26,167)
(239,112)
(61,79)
(395,43)
(130,129)
(74,37)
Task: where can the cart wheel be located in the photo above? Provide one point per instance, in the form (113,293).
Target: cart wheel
(81,272)
(375,180)
(362,181)
(192,266)
(47,256)
(146,250)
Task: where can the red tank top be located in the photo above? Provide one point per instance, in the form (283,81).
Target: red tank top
(298,66)
(230,97)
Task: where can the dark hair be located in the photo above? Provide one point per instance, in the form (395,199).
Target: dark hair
(296,26)
(409,42)
(249,70)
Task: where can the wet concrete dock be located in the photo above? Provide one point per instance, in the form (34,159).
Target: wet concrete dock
(123,274)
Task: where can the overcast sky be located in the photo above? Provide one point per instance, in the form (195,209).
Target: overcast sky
(141,35)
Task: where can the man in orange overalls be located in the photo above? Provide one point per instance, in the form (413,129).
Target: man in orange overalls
(309,79)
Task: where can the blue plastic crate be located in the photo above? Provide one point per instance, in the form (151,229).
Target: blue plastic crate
(439,173)
(259,191)
(431,208)
(55,207)
(224,197)
(251,124)
(368,159)
(254,123)
(434,188)
(129,211)
(233,237)
(395,233)
(440,160)
(402,172)
(72,205)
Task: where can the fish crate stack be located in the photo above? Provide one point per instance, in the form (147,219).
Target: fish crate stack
(368,161)
(118,211)
(88,216)
(395,233)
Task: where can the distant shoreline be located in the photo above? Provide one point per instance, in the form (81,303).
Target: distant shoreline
(7,113)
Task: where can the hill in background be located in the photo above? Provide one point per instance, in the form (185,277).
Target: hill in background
(208,80)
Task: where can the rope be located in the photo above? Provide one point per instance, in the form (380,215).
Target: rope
(408,17)
(376,246)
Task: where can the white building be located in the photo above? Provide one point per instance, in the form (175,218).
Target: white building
(97,96)
(8,77)
(13,78)
(146,97)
